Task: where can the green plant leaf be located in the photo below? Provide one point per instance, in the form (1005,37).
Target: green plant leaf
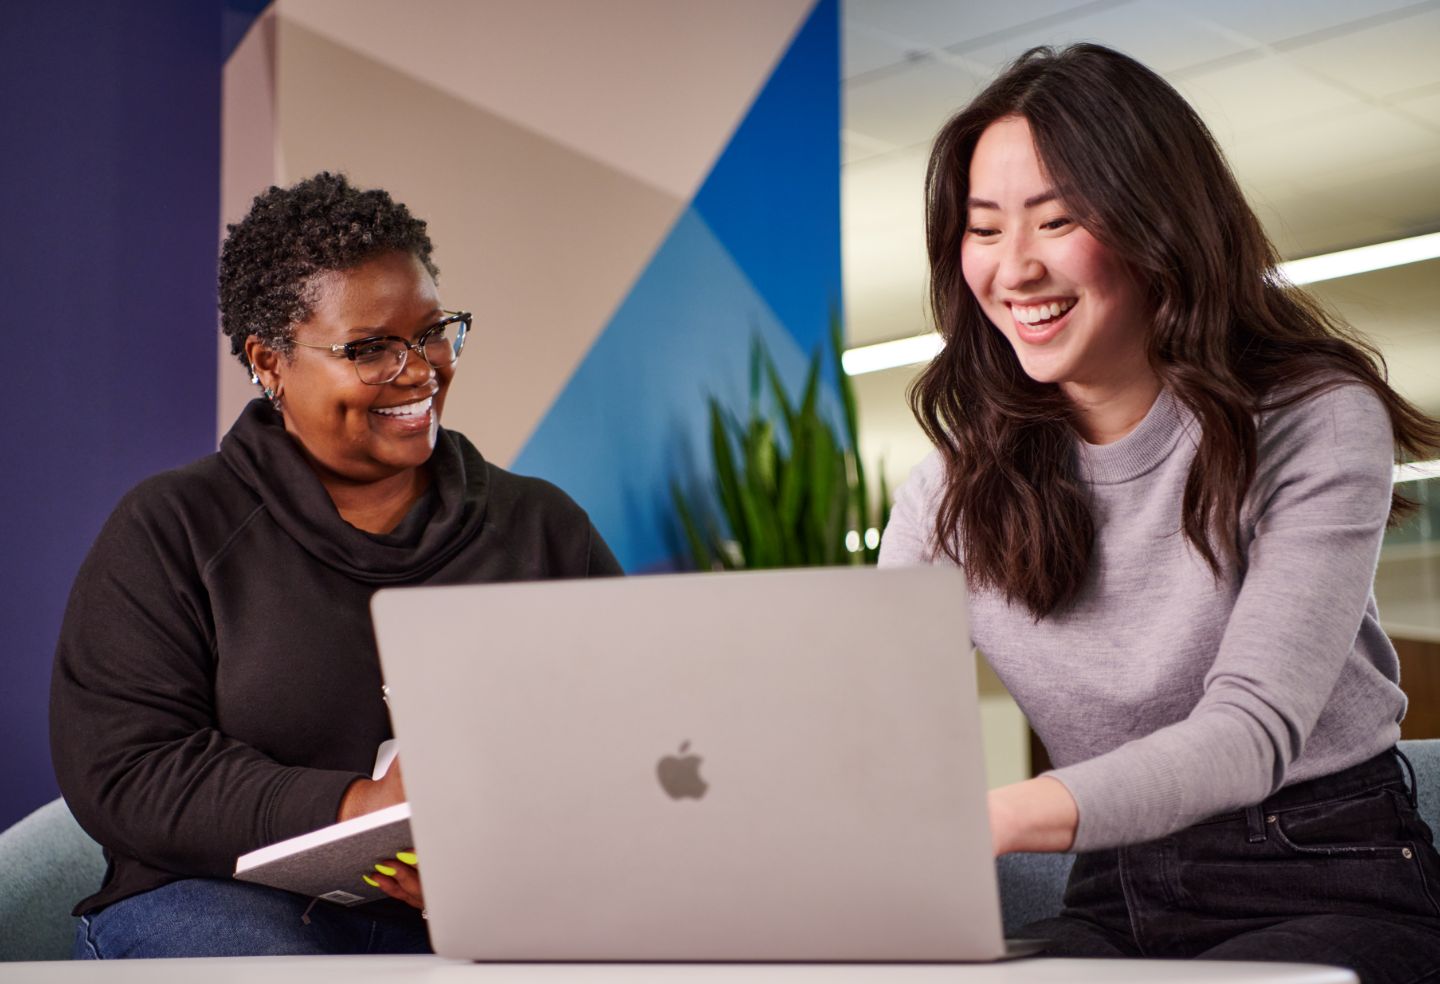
(842,381)
(769,540)
(860,489)
(757,355)
(727,481)
(782,399)
(700,554)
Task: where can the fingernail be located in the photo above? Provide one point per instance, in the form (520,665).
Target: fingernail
(408,857)
(369,881)
(385,870)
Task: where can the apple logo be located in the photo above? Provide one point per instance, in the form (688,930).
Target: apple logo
(680,775)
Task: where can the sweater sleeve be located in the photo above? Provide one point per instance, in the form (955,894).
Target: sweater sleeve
(1319,507)
(133,724)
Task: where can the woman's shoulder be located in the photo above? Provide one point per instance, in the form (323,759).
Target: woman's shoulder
(504,491)
(1332,437)
(1323,416)
(201,502)
(526,493)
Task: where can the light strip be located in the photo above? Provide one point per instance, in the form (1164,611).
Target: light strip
(1312,269)
(1349,262)
(888,355)
(1416,471)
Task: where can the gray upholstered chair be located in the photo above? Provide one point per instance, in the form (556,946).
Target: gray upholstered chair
(51,864)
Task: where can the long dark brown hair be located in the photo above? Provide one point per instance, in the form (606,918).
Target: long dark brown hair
(1139,171)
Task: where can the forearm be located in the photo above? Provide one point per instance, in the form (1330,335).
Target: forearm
(191,806)
(1035,815)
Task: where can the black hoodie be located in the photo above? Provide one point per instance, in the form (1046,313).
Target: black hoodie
(216,685)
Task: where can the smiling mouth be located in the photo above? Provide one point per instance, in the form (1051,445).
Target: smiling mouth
(1040,315)
(407,411)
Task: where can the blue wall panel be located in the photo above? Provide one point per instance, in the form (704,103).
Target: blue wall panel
(109,202)
(758,253)
(634,415)
(773,197)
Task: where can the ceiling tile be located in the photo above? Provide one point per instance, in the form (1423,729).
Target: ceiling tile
(855,147)
(1225,96)
(941,23)
(1393,57)
(1277,20)
(1144,29)
(909,106)
(866,50)
(1425,106)
(1319,151)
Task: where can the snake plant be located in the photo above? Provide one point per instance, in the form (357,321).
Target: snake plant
(792,492)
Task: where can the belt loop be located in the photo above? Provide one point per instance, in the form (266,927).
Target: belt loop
(1255,824)
(1414,783)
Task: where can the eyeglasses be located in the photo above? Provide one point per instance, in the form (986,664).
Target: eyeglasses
(381,358)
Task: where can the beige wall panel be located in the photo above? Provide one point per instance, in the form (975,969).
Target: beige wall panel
(248,166)
(542,244)
(653,88)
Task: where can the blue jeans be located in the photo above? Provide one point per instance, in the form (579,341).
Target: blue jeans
(1338,870)
(205,917)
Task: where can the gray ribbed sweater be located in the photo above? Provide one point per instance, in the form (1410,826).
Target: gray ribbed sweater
(1165,696)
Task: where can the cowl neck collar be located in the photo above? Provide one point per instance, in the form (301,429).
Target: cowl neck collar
(450,515)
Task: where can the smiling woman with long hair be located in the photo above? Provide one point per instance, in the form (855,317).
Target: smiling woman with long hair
(1166,474)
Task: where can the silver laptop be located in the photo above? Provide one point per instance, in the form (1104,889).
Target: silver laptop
(762,766)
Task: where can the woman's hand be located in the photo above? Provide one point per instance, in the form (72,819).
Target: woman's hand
(399,878)
(1035,815)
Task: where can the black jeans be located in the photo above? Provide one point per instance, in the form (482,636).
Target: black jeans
(1338,870)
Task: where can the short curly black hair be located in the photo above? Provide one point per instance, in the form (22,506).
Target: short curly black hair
(270,257)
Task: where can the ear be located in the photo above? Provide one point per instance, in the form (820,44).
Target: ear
(265,361)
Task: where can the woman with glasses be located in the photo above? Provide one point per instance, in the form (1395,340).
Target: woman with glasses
(1166,474)
(216,685)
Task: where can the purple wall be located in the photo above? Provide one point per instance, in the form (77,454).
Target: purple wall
(109,211)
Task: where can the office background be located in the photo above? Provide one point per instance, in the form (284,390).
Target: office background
(625,194)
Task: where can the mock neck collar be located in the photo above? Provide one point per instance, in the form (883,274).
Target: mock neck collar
(1138,452)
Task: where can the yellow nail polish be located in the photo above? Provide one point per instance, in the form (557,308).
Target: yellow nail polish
(385,870)
(408,857)
(369,881)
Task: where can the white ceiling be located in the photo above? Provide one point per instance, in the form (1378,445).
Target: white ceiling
(1329,111)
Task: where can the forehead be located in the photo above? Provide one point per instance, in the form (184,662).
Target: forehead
(387,288)
(1005,164)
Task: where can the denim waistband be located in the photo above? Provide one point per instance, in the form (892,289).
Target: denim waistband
(1382,770)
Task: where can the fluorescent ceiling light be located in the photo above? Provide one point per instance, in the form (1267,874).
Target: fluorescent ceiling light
(888,355)
(1416,471)
(1310,270)
(1349,262)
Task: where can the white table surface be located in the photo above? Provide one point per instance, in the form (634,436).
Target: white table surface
(437,970)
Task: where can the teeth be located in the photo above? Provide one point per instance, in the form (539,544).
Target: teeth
(1042,312)
(416,409)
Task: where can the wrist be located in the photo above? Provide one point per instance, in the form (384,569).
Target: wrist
(356,799)
(1034,815)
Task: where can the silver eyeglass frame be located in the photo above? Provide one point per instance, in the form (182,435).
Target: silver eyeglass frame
(349,350)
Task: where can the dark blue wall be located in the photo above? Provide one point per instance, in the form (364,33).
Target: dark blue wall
(109,211)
